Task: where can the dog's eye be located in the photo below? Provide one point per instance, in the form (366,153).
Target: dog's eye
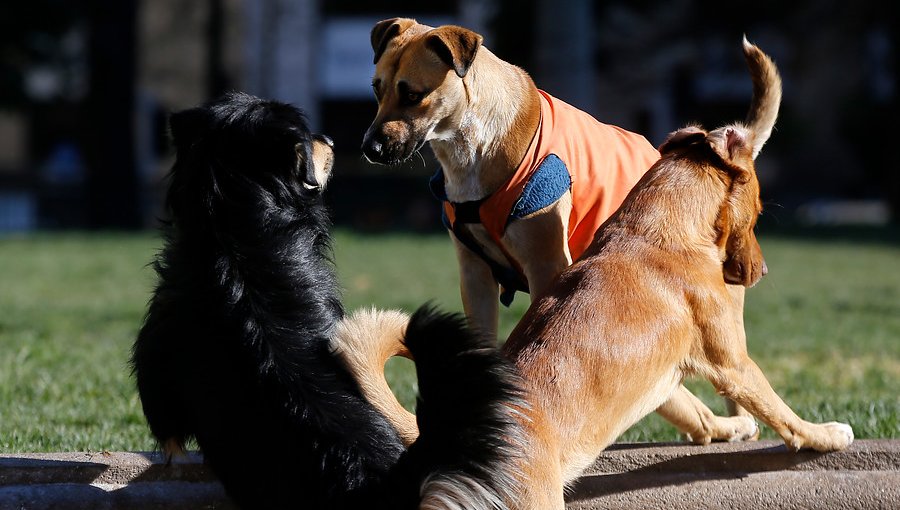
(408,97)
(413,97)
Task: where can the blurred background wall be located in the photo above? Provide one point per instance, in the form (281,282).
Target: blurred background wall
(85,88)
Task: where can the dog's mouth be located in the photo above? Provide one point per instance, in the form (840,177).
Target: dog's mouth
(393,146)
(392,154)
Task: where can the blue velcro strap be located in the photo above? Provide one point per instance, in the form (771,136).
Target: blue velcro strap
(550,181)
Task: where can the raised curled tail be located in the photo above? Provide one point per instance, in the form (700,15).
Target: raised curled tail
(470,433)
(366,339)
(766,95)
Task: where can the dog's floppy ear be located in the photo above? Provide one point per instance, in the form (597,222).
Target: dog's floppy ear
(456,46)
(185,126)
(384,31)
(682,138)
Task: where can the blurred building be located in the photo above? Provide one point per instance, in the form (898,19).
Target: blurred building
(85,88)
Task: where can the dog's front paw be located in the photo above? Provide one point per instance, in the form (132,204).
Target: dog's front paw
(823,437)
(841,435)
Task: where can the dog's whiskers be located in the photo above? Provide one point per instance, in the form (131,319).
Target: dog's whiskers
(419,153)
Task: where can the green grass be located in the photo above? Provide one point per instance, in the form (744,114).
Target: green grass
(824,326)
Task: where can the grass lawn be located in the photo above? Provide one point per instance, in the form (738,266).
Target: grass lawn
(824,325)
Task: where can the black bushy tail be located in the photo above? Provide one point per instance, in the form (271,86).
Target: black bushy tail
(470,398)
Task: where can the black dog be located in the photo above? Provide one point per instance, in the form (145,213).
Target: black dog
(235,352)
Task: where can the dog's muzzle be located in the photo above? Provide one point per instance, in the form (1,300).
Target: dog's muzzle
(389,149)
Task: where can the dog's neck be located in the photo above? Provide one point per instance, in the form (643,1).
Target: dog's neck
(676,205)
(502,116)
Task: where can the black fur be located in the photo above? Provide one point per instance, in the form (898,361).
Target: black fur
(234,350)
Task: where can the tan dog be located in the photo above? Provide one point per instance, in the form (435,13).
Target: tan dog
(483,117)
(645,306)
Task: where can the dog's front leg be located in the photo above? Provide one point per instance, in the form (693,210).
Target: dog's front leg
(737,377)
(539,243)
(737,299)
(480,291)
(745,383)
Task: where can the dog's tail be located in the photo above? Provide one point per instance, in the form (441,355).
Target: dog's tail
(468,410)
(464,452)
(366,339)
(766,95)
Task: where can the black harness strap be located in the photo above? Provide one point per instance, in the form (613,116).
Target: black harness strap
(468,213)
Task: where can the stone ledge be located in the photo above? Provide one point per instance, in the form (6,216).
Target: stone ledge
(666,476)
(750,475)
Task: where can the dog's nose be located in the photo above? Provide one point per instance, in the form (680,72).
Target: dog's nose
(373,148)
(765,269)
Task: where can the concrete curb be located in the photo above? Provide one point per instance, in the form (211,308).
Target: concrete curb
(647,476)
(750,475)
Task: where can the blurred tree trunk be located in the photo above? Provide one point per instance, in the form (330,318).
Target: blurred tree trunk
(112,184)
(217,81)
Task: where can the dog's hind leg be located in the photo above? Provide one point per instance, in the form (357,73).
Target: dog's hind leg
(700,425)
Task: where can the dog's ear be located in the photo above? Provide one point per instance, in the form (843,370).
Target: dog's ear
(734,145)
(185,126)
(384,31)
(682,138)
(743,263)
(456,46)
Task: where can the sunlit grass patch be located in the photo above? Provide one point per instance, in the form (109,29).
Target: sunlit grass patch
(824,326)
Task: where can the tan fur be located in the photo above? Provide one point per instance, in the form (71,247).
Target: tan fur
(648,304)
(323,160)
(366,339)
(613,336)
(479,125)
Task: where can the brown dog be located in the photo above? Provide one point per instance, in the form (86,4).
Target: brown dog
(680,317)
(504,147)
(647,305)
(491,128)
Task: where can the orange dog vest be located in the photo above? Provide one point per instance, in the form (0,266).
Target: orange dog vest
(571,149)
